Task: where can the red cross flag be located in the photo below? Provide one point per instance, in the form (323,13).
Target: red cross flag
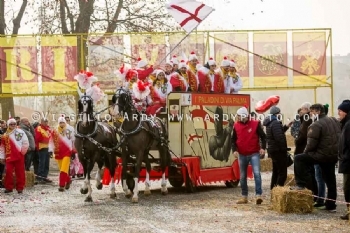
(188,13)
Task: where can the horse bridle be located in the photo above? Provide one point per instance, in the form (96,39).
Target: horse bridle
(84,102)
(123,108)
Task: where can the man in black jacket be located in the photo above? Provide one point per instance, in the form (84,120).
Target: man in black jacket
(321,148)
(277,146)
(344,150)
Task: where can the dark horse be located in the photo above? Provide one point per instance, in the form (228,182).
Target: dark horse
(138,135)
(93,142)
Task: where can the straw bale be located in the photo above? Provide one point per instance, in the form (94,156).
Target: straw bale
(285,200)
(29,176)
(290,181)
(266,165)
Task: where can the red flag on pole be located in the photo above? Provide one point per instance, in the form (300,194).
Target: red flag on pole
(188,13)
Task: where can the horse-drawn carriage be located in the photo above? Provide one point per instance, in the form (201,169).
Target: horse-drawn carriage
(190,143)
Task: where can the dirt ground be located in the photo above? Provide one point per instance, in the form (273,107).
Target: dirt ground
(212,209)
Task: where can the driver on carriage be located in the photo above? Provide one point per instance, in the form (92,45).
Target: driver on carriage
(140,94)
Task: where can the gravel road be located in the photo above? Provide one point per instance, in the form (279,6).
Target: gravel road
(212,209)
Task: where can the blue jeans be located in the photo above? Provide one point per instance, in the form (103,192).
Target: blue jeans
(44,163)
(244,161)
(321,185)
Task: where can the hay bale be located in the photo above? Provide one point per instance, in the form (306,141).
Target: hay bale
(290,181)
(285,200)
(290,141)
(266,165)
(29,176)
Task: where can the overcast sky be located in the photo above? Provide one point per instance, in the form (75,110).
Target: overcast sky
(278,14)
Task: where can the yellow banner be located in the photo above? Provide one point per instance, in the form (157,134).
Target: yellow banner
(19,66)
(193,43)
(234,46)
(59,63)
(309,58)
(150,47)
(270,66)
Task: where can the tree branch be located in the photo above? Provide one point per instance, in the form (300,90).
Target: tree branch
(70,16)
(18,19)
(63,17)
(2,18)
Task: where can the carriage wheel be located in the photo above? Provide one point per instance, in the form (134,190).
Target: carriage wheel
(130,182)
(231,183)
(175,177)
(190,188)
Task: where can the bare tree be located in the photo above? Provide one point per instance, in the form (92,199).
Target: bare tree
(7,104)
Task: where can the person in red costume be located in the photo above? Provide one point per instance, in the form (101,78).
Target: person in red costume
(61,144)
(183,73)
(141,95)
(42,138)
(192,78)
(210,81)
(159,92)
(13,147)
(143,71)
(177,81)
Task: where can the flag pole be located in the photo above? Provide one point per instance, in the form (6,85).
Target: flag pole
(182,40)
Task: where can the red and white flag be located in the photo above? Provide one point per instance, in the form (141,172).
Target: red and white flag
(193,137)
(188,13)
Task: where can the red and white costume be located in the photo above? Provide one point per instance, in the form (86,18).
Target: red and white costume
(237,83)
(210,82)
(142,72)
(159,94)
(178,80)
(192,79)
(13,147)
(141,95)
(226,78)
(61,144)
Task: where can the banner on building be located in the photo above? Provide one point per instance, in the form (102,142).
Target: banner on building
(59,63)
(270,66)
(234,46)
(105,56)
(150,47)
(19,65)
(193,43)
(309,58)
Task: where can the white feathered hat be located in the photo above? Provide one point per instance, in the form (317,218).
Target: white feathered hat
(85,79)
(141,89)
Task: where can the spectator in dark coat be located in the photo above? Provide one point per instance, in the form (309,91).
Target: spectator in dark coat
(276,146)
(322,148)
(294,130)
(344,150)
(305,122)
(29,131)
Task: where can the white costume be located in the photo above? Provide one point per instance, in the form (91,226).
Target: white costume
(141,95)
(237,83)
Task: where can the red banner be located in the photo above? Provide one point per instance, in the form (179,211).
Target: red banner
(59,63)
(106,55)
(193,43)
(148,47)
(272,51)
(309,58)
(19,65)
(220,100)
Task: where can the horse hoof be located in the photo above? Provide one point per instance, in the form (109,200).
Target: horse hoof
(147,192)
(135,200)
(128,195)
(83,191)
(113,195)
(88,199)
(99,186)
(165,192)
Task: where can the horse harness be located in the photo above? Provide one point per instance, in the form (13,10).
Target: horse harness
(96,143)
